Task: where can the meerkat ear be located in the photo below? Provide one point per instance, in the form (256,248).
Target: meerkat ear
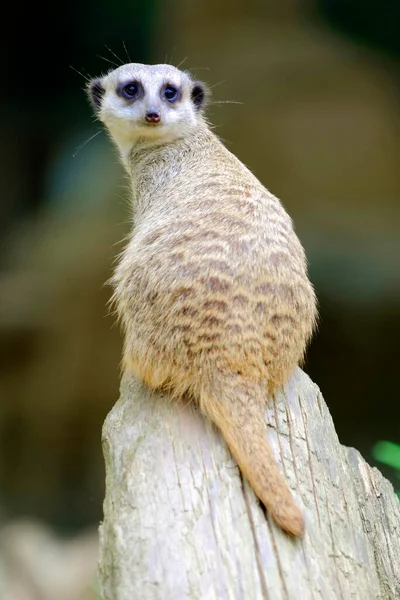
(199,95)
(95,92)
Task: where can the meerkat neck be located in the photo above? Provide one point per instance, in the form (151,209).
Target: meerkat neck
(134,151)
(153,148)
(154,164)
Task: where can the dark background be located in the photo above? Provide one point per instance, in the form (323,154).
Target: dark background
(319,124)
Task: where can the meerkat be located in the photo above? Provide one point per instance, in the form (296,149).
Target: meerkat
(212,287)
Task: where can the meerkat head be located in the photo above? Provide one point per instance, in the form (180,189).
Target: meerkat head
(148,102)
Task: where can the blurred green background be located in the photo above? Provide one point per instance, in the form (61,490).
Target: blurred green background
(318,123)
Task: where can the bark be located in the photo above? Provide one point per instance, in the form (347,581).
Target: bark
(180,523)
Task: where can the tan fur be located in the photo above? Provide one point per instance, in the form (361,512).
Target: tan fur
(212,287)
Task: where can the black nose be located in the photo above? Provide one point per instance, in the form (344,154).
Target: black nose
(152,116)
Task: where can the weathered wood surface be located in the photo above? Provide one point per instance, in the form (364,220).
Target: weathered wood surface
(179,522)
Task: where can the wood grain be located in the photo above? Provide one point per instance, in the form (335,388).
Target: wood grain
(180,523)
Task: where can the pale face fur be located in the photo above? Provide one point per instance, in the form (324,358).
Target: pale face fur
(125,117)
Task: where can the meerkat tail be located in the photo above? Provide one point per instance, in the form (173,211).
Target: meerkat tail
(238,413)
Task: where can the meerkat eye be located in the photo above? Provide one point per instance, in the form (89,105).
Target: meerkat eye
(130,90)
(171,93)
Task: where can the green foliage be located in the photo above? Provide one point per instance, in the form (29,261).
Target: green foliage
(388,453)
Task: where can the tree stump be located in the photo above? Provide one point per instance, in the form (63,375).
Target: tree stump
(180,523)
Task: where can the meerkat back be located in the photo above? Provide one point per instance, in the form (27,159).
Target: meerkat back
(212,287)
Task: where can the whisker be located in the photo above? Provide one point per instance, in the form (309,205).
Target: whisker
(113,53)
(226,102)
(86,142)
(181,63)
(126,51)
(107,60)
(218,83)
(168,61)
(85,77)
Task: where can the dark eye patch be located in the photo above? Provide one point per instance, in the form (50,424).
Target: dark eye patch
(171,92)
(130,90)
